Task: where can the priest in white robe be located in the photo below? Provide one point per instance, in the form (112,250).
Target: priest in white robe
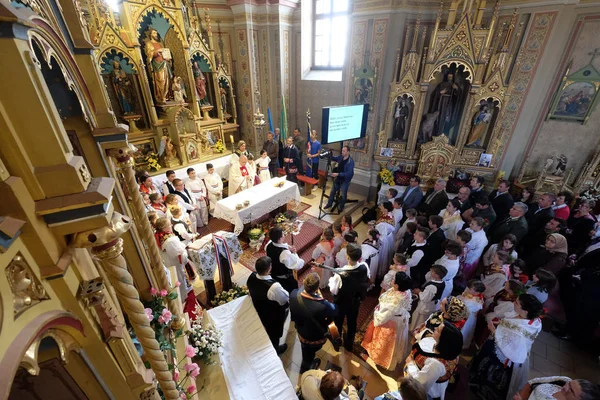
(241,176)
(214,186)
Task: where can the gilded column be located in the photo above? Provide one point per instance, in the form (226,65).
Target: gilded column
(124,164)
(107,246)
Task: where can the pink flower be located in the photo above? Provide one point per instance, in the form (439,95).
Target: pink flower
(164,293)
(153,291)
(149,314)
(192,369)
(195,373)
(176,375)
(165,316)
(191,389)
(183,395)
(177,283)
(190,351)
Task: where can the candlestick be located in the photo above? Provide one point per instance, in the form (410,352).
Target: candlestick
(231,138)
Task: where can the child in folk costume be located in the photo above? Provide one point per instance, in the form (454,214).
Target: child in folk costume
(171,202)
(263,166)
(197,214)
(450,261)
(323,254)
(399,265)
(452,309)
(386,338)
(452,219)
(542,283)
(197,188)
(338,238)
(181,227)
(499,370)
(408,239)
(515,271)
(340,257)
(507,244)
(386,225)
(476,245)
(214,185)
(429,296)
(495,276)
(411,215)
(346,224)
(370,252)
(463,238)
(156,202)
(253,168)
(147,202)
(473,299)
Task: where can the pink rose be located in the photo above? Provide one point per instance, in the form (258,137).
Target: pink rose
(176,375)
(165,316)
(149,314)
(195,372)
(183,395)
(192,369)
(190,351)
(164,293)
(191,389)
(153,291)
(177,284)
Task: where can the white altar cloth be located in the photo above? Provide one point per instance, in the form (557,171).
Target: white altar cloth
(263,198)
(250,365)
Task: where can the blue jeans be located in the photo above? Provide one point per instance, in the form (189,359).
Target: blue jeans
(337,185)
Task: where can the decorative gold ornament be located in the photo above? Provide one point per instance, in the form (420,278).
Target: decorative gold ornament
(27,289)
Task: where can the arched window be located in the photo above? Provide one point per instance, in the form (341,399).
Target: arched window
(330,27)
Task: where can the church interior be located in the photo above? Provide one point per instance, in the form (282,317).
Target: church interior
(170,143)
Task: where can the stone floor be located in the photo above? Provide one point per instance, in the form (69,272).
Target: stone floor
(550,356)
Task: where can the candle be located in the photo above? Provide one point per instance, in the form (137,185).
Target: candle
(231,138)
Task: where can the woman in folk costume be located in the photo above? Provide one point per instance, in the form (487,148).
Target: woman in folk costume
(434,359)
(253,169)
(370,252)
(214,186)
(147,185)
(501,367)
(386,225)
(558,387)
(495,276)
(340,258)
(452,309)
(507,244)
(323,254)
(452,219)
(338,238)
(386,338)
(477,243)
(263,166)
(347,223)
(473,299)
(173,252)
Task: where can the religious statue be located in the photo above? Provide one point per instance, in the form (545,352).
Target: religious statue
(167,148)
(428,126)
(178,91)
(157,59)
(223,94)
(400,117)
(123,88)
(200,82)
(481,122)
(561,166)
(446,100)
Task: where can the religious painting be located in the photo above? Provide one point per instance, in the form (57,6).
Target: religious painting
(363,90)
(401,116)
(482,123)
(191,150)
(386,152)
(485,160)
(144,147)
(577,95)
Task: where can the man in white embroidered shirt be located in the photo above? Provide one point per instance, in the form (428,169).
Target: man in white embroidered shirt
(270,300)
(198,189)
(187,202)
(284,259)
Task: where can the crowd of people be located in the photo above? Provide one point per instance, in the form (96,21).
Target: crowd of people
(473,272)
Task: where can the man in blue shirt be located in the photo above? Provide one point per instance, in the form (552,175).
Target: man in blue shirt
(342,178)
(313,155)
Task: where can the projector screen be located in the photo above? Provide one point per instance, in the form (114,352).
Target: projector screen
(344,123)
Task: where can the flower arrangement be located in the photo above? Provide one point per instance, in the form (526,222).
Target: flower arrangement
(152,159)
(219,146)
(161,318)
(280,218)
(255,233)
(226,297)
(205,339)
(386,176)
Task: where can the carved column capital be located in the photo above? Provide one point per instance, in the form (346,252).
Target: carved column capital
(123,156)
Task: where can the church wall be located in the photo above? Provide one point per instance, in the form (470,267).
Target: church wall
(550,138)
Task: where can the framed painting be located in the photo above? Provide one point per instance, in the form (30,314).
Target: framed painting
(576,96)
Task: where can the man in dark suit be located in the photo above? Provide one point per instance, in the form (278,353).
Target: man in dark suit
(437,236)
(476,188)
(291,161)
(533,240)
(435,199)
(515,224)
(311,314)
(413,194)
(464,194)
(537,217)
(501,200)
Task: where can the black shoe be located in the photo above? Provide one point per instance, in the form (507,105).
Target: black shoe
(348,347)
(281,349)
(327,206)
(316,363)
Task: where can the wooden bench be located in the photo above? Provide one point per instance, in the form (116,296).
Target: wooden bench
(308,183)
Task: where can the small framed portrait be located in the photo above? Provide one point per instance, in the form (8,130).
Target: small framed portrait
(386,152)
(485,160)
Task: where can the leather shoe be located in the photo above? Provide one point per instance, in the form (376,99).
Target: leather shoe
(281,349)
(316,363)
(327,206)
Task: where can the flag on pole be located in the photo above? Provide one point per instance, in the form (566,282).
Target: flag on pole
(283,121)
(308,160)
(270,120)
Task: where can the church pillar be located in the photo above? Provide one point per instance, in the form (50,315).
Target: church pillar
(124,163)
(107,246)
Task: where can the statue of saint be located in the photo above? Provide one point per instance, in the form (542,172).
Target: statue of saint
(400,117)
(223,94)
(123,88)
(200,82)
(178,92)
(446,99)
(481,122)
(428,125)
(158,66)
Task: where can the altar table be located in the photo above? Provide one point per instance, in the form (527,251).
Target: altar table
(263,198)
(250,366)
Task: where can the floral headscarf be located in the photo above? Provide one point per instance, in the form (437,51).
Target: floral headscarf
(456,309)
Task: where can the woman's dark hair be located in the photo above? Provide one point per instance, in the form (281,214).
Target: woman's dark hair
(374,233)
(348,219)
(532,305)
(516,286)
(422,221)
(450,343)
(546,280)
(328,234)
(411,227)
(387,205)
(411,389)
(568,196)
(519,264)
(531,191)
(589,390)
(455,203)
(511,237)
(403,281)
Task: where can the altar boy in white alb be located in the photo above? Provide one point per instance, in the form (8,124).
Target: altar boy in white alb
(198,189)
(214,185)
